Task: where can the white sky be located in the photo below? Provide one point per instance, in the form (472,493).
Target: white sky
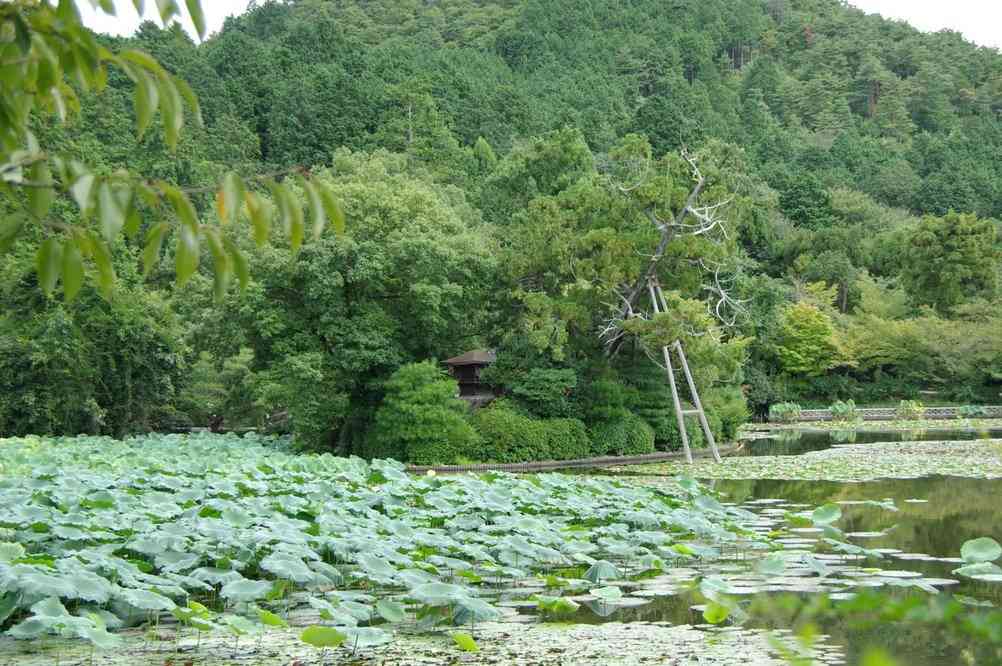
(126,20)
(978,20)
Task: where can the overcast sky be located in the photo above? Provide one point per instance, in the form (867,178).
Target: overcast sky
(978,20)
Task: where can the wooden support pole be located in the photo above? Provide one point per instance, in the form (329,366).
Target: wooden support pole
(696,401)
(671,382)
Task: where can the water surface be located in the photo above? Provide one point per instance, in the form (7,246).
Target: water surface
(796,442)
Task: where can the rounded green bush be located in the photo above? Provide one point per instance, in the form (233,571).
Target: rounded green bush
(509,436)
(568,439)
(626,435)
(668,438)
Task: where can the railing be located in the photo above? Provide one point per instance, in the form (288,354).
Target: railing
(891,413)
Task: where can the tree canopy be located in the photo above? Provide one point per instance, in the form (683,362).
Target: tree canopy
(498,173)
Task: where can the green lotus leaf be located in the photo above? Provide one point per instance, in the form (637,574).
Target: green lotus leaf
(246,590)
(984,549)
(322,637)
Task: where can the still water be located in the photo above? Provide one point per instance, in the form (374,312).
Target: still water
(934,517)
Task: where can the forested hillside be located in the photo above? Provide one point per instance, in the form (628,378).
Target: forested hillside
(498,162)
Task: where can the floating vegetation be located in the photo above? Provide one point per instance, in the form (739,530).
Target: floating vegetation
(229,534)
(856,462)
(898,424)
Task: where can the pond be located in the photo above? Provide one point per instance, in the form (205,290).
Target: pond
(796,442)
(918,523)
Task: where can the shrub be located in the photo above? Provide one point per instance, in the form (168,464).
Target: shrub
(546,392)
(910,410)
(971,412)
(421,420)
(785,412)
(844,412)
(626,435)
(567,438)
(510,436)
(668,438)
(728,406)
(604,399)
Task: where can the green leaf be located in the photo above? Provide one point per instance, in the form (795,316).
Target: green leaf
(602,570)
(144,60)
(186,255)
(147,600)
(40,198)
(98,635)
(877,657)
(11,551)
(317,210)
(391,611)
(322,637)
(438,594)
(105,268)
(190,99)
(154,242)
(239,626)
(269,619)
(50,607)
(73,271)
(83,192)
(111,215)
(197,17)
(182,206)
(222,268)
(171,111)
(9,603)
(229,198)
(715,613)
(608,593)
(90,587)
(824,515)
(22,34)
(332,208)
(30,629)
(291,210)
(246,590)
(48,263)
(260,212)
(465,641)
(239,262)
(146,100)
(979,569)
(984,549)
(168,9)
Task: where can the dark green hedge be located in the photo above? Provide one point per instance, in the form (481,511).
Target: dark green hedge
(511,436)
(626,435)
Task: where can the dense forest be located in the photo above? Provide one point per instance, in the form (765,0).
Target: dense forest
(497,162)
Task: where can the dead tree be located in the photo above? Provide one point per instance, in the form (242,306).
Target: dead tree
(706,221)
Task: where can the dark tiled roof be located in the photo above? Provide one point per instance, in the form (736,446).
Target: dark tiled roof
(475,357)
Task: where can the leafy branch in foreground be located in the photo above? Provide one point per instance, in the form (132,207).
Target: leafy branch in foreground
(47,56)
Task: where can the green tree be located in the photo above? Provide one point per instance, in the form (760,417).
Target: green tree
(804,199)
(951,259)
(805,344)
(421,420)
